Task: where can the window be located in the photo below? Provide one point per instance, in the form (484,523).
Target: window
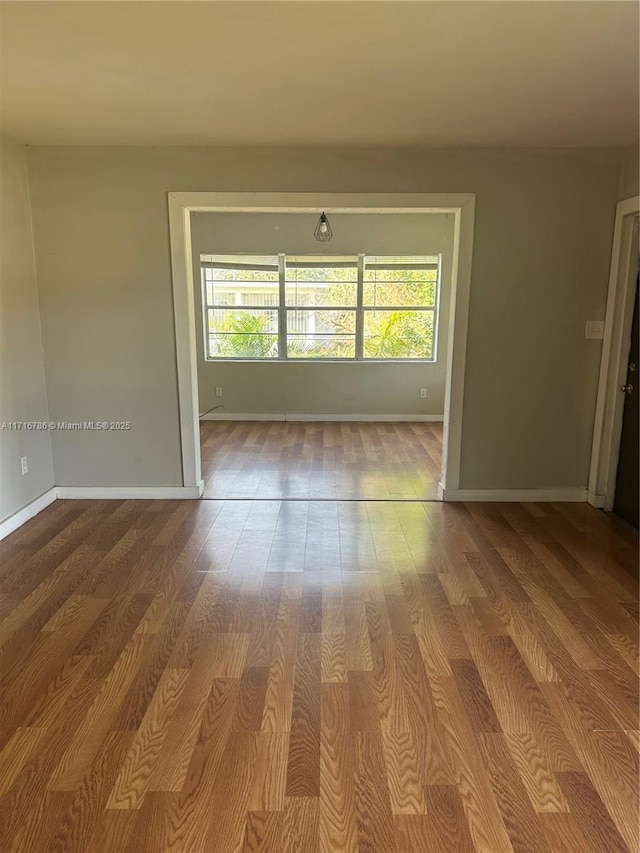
(400,297)
(359,307)
(241,295)
(321,299)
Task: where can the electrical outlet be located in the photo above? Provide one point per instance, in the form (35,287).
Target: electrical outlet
(423,393)
(24,465)
(218,391)
(594,330)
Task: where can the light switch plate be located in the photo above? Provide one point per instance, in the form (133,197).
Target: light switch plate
(594,330)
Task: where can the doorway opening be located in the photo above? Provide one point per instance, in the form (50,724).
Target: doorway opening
(421,449)
(325,363)
(613,479)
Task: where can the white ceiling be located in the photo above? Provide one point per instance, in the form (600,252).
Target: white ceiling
(320,73)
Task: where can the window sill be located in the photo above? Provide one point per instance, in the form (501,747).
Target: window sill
(320,361)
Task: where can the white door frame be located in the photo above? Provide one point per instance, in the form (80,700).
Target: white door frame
(615,355)
(182,204)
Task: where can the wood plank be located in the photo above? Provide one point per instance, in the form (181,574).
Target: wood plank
(133,779)
(270,772)
(537,777)
(303,766)
(338,829)
(591,816)
(372,804)
(448,829)
(522,823)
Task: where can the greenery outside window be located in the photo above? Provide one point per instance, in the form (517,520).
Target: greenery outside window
(360,307)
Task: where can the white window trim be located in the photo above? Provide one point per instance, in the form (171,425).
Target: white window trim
(360,310)
(182,204)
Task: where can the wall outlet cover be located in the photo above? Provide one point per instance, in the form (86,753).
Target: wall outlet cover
(24,466)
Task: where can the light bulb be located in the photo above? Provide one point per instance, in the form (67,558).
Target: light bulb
(323,230)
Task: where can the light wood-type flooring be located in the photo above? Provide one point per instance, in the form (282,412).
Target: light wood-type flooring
(321,460)
(293,677)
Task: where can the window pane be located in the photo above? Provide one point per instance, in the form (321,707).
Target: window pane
(321,346)
(243,346)
(398,334)
(314,280)
(241,279)
(321,334)
(397,281)
(321,322)
(242,333)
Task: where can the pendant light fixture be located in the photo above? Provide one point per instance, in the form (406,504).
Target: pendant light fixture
(323,231)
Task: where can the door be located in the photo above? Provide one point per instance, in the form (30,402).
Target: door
(625,503)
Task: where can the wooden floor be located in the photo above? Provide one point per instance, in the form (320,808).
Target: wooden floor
(319,461)
(360,676)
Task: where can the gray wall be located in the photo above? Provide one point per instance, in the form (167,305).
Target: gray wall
(22,385)
(544,221)
(316,388)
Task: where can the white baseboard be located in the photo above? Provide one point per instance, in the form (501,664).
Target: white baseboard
(246,416)
(27,512)
(98,493)
(226,416)
(101,493)
(518,495)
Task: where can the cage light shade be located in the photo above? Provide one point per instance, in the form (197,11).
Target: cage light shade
(323,231)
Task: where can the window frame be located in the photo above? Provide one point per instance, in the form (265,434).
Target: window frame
(359,309)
